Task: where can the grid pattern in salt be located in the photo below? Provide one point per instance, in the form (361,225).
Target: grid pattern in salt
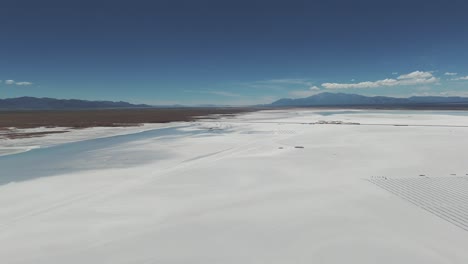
(445,197)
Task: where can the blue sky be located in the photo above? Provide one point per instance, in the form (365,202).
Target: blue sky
(231,52)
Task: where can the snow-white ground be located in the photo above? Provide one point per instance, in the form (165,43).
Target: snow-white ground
(240,192)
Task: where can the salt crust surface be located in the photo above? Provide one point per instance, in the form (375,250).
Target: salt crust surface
(242,193)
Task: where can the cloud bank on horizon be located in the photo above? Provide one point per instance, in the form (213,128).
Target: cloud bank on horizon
(464,78)
(413,78)
(414,83)
(12,82)
(421,81)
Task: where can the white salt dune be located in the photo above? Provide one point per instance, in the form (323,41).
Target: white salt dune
(238,191)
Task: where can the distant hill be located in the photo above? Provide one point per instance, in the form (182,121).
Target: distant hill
(342,99)
(33,103)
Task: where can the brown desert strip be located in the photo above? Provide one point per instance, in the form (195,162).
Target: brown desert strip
(108,118)
(100,118)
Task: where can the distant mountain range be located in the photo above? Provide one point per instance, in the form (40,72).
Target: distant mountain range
(33,103)
(322,99)
(342,99)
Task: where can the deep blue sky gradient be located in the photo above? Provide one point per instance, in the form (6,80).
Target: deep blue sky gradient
(228,52)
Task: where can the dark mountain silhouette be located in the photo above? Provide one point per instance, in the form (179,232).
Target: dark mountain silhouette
(33,103)
(342,99)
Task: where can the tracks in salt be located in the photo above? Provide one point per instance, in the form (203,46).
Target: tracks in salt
(445,197)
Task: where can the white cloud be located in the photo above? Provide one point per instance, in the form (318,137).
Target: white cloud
(23,83)
(455,93)
(415,75)
(413,78)
(305,93)
(450,73)
(11,82)
(464,78)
